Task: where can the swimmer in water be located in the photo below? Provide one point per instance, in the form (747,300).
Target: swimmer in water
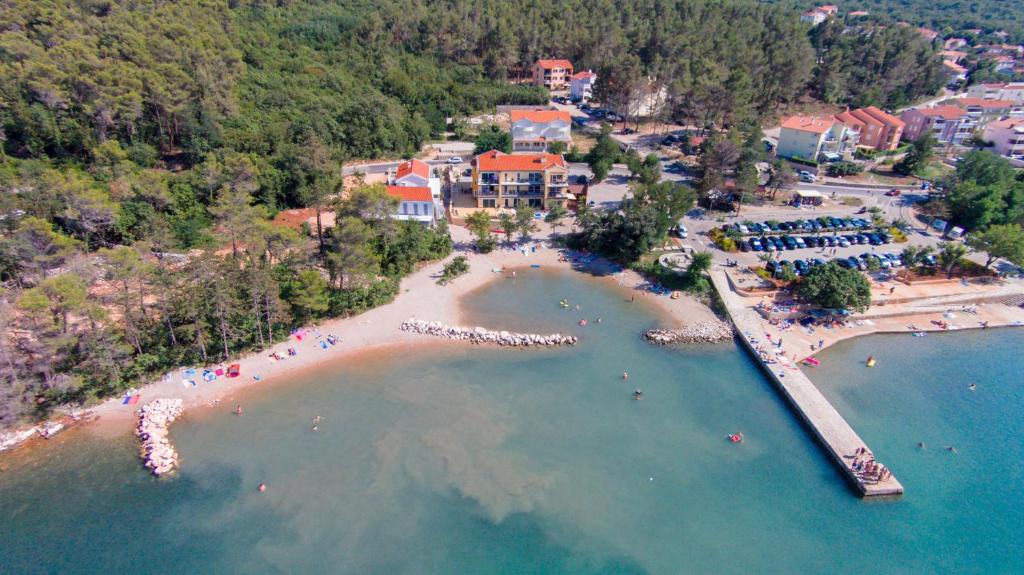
(637,394)
(238,409)
(625,375)
(921,445)
(262,487)
(598,320)
(316,422)
(972,387)
(951,449)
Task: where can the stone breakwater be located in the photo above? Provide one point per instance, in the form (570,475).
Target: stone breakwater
(154,419)
(703,332)
(482,335)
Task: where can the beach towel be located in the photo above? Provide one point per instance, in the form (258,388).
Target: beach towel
(219,372)
(190,372)
(132,399)
(323,345)
(534,265)
(188,383)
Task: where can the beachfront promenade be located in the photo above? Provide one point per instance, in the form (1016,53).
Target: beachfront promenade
(832,431)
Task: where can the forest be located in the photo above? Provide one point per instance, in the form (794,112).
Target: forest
(146,145)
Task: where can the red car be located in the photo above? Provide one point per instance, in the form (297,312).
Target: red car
(892,193)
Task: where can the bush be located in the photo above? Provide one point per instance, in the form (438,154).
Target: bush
(803,161)
(844,169)
(486,245)
(722,241)
(833,287)
(357,300)
(453,269)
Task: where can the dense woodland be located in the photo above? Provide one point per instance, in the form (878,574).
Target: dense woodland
(145,145)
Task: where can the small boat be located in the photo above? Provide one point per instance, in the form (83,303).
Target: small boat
(736,438)
(811,361)
(919,334)
(871,361)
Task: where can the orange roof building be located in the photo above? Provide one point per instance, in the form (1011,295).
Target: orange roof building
(948,124)
(877,129)
(535,130)
(510,180)
(552,74)
(413,167)
(809,137)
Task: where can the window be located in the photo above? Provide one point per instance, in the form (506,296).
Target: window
(490,203)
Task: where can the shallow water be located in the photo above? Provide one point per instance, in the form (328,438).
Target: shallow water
(479,460)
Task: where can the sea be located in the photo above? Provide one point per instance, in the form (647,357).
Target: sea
(454,459)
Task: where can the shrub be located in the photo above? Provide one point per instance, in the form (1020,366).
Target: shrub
(453,269)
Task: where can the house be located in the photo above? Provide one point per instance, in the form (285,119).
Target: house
(646,100)
(928,34)
(1003,62)
(954,43)
(552,74)
(858,14)
(984,111)
(811,137)
(948,124)
(581,85)
(999,91)
(535,130)
(417,173)
(818,15)
(954,72)
(953,55)
(1007,137)
(415,204)
(876,128)
(509,180)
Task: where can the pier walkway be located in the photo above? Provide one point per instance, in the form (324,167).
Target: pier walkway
(832,431)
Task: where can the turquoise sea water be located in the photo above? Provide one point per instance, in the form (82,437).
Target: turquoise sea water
(475,460)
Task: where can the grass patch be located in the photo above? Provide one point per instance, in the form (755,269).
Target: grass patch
(851,201)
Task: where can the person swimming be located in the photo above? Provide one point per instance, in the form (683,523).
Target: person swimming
(262,487)
(972,387)
(238,409)
(316,422)
(637,394)
(625,375)
(921,445)
(951,449)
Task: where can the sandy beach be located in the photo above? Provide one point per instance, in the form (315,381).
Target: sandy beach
(376,330)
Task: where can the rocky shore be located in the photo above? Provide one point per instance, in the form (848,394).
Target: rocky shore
(482,335)
(703,332)
(154,419)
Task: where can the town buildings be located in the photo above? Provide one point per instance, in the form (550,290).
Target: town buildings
(535,130)
(876,129)
(416,204)
(811,137)
(581,85)
(1007,137)
(509,180)
(417,173)
(984,110)
(997,91)
(818,15)
(948,124)
(552,74)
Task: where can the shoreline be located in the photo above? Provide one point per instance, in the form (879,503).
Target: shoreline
(374,331)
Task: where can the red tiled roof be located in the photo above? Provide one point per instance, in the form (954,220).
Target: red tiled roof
(953,54)
(1007,123)
(548,64)
(418,167)
(410,194)
(954,66)
(983,103)
(495,161)
(811,124)
(928,33)
(583,75)
(541,116)
(944,112)
(882,116)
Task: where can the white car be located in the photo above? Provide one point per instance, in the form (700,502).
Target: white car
(455,160)
(806,176)
(681,231)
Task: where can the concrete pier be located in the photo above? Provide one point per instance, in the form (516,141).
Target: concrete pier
(832,431)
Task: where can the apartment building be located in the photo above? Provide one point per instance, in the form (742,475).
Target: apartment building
(535,130)
(997,91)
(552,74)
(811,137)
(581,85)
(984,110)
(1007,136)
(949,124)
(509,180)
(416,173)
(876,129)
(415,204)
(818,15)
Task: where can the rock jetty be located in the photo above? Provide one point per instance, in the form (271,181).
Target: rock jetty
(703,332)
(154,419)
(482,335)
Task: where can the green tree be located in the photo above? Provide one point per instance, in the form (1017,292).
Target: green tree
(479,223)
(950,254)
(699,265)
(555,215)
(507,223)
(307,294)
(833,287)
(524,223)
(351,260)
(918,156)
(1000,241)
(492,138)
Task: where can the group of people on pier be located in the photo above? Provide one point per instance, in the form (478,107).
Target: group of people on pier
(865,466)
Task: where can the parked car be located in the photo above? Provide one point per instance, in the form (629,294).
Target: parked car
(818,262)
(800,267)
(745,245)
(755,244)
(929,259)
(806,176)
(843,263)
(843,242)
(800,243)
(884,237)
(893,193)
(627,131)
(458,160)
(789,242)
(742,229)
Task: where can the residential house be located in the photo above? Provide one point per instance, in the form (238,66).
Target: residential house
(991,91)
(953,55)
(876,128)
(954,43)
(581,85)
(552,74)
(811,137)
(509,180)
(535,130)
(1007,137)
(984,111)
(415,203)
(417,173)
(928,34)
(948,124)
(644,101)
(1004,63)
(954,72)
(858,14)
(818,15)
